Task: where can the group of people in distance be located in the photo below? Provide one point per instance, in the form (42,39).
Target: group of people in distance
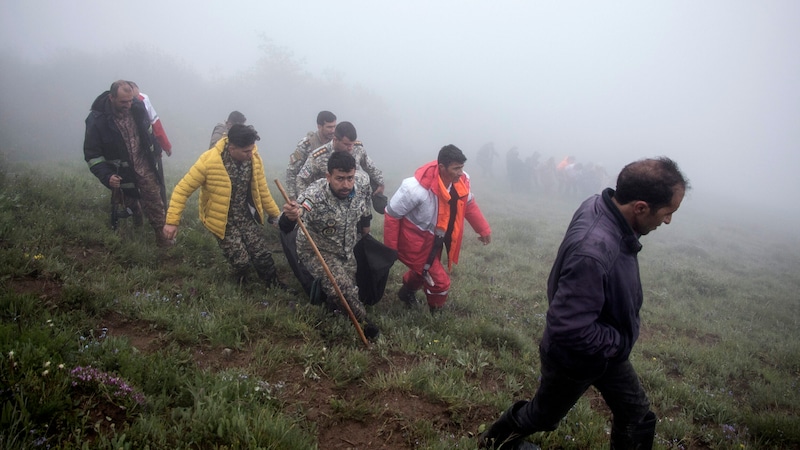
(594,289)
(567,177)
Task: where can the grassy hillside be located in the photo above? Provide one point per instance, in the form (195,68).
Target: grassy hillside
(110,342)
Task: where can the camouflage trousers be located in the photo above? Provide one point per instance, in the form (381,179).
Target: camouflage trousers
(150,202)
(344,271)
(245,244)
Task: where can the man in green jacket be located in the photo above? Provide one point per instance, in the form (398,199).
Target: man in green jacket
(234,197)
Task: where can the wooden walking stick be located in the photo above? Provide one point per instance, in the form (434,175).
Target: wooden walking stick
(328,272)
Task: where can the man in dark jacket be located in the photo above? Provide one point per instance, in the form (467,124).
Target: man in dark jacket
(122,153)
(595,295)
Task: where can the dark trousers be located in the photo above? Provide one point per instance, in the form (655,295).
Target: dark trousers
(560,389)
(289,244)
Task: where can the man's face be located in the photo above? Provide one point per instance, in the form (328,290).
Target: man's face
(326,130)
(122,101)
(241,154)
(649,220)
(343,145)
(451,173)
(341,182)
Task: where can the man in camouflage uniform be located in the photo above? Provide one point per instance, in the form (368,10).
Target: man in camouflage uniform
(326,124)
(336,214)
(344,140)
(221,129)
(234,202)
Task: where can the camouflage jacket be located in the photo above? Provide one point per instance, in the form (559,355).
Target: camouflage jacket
(316,166)
(298,157)
(334,223)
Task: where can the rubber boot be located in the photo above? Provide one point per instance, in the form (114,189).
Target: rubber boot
(506,434)
(635,437)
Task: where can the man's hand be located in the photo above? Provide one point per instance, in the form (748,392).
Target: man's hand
(485,239)
(170,231)
(378,190)
(114,181)
(291,210)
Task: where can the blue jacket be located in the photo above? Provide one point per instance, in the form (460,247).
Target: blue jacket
(594,289)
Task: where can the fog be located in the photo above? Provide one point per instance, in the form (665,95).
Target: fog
(714,85)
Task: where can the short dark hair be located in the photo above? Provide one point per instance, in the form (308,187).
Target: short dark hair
(119,84)
(650,180)
(236,117)
(450,154)
(243,135)
(343,161)
(345,130)
(325,117)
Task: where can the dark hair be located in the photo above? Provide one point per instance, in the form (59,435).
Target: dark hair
(119,84)
(450,154)
(325,117)
(345,130)
(650,180)
(242,135)
(343,161)
(236,117)
(133,84)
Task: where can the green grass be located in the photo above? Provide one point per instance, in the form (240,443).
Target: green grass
(206,363)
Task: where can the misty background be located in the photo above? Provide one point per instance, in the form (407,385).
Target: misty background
(714,85)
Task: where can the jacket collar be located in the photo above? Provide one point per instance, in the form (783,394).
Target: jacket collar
(629,237)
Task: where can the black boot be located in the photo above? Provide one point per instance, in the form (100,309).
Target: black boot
(505,433)
(240,277)
(266,271)
(635,437)
(407,296)
(371,331)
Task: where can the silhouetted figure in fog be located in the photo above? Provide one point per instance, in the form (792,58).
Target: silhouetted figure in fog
(595,294)
(565,174)
(122,153)
(515,169)
(485,158)
(590,179)
(532,171)
(548,179)
(221,129)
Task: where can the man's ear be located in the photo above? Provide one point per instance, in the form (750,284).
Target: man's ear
(641,207)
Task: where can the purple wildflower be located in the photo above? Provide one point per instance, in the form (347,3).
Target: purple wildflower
(116,385)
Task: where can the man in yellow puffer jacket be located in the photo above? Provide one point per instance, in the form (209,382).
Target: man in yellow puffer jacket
(234,198)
